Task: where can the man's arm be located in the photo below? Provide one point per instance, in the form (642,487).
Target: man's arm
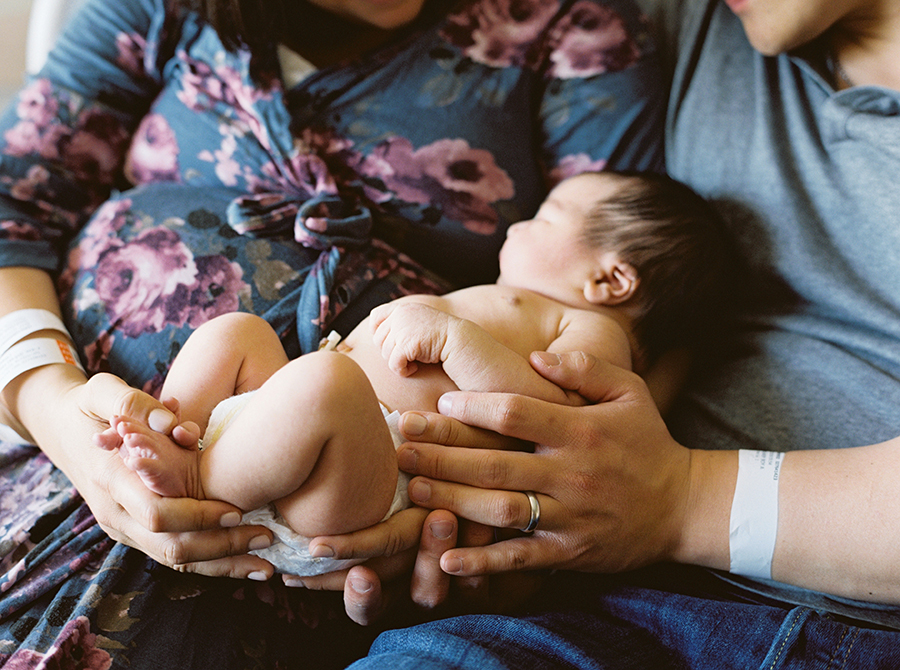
(838,521)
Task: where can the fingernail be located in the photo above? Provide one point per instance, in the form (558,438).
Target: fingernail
(230,520)
(257,576)
(407,459)
(452,565)
(260,542)
(441,529)
(445,403)
(420,492)
(293,582)
(413,424)
(548,359)
(160,420)
(322,551)
(360,585)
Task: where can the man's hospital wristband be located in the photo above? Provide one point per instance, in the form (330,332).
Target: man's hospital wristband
(36,353)
(754,513)
(17,325)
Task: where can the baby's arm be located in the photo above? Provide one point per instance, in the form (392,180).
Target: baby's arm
(471,357)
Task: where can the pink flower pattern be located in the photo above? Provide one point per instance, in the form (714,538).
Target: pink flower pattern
(462,181)
(589,40)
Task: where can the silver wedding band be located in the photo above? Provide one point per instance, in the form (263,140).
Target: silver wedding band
(535,518)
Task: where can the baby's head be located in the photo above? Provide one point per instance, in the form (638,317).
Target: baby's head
(640,242)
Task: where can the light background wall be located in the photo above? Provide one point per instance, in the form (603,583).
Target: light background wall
(13,27)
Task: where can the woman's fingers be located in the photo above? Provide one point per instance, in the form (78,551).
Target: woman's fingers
(181,531)
(182,548)
(390,537)
(237,567)
(171,515)
(106,395)
(221,552)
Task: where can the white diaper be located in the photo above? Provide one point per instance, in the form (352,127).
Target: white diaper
(289,552)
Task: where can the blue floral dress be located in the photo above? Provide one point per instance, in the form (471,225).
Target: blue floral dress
(165,181)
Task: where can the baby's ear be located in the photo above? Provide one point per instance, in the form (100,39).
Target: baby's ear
(613,282)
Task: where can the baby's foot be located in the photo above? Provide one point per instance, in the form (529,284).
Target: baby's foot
(108,439)
(165,467)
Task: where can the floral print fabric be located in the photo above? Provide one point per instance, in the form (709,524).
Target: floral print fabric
(166,181)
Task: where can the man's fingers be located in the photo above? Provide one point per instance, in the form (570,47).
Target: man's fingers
(516,416)
(523,553)
(594,379)
(498,509)
(473,593)
(364,599)
(430,586)
(437,429)
(484,468)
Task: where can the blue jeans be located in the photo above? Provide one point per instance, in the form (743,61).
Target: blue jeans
(595,622)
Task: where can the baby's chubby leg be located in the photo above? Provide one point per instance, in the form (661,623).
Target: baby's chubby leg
(313,440)
(227,355)
(230,354)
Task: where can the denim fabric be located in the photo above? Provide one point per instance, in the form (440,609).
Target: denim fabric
(595,623)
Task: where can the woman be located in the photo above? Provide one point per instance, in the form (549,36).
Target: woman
(786,115)
(174,162)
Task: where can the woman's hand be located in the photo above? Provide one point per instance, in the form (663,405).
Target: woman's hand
(613,486)
(186,534)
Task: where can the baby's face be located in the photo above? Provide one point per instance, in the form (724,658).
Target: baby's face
(547,254)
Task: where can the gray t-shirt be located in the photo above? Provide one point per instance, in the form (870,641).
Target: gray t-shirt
(808,180)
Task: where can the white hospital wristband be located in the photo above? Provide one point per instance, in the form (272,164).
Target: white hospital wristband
(16,326)
(754,513)
(36,353)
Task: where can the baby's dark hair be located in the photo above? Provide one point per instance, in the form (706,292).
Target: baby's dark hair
(678,244)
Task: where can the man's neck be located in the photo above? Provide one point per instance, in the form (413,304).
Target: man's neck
(866,46)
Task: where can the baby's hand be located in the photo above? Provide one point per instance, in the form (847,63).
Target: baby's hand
(408,332)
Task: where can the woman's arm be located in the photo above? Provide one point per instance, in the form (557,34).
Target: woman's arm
(62,411)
